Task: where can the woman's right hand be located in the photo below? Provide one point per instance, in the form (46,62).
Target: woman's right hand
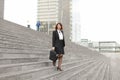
(53,48)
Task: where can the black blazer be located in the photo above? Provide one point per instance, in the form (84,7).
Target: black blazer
(55,40)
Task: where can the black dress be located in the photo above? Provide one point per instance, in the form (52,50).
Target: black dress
(58,44)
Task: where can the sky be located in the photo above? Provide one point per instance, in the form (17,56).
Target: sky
(21,11)
(99,19)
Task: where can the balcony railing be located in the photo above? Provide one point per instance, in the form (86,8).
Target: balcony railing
(108,48)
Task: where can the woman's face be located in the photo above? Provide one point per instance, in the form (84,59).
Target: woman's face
(58,27)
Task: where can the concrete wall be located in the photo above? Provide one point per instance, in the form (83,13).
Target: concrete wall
(64,16)
(1,8)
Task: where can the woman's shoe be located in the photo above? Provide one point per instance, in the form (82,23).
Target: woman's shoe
(59,69)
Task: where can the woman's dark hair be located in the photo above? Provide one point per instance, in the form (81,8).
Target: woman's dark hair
(57,25)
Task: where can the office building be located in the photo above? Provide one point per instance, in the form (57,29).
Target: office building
(51,12)
(1,8)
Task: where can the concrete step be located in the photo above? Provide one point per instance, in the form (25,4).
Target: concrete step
(81,75)
(9,49)
(98,73)
(103,74)
(20,60)
(4,45)
(115,71)
(18,50)
(110,73)
(22,52)
(89,53)
(92,75)
(23,66)
(23,36)
(11,34)
(5,39)
(77,51)
(89,74)
(17,28)
(23,42)
(37,73)
(17,32)
(30,65)
(33,45)
(24,29)
(68,72)
(107,75)
(31,36)
(81,48)
(17,45)
(23,55)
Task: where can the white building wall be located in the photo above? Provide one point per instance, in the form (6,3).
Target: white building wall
(76,28)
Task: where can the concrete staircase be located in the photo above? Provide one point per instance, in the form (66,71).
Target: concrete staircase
(24,56)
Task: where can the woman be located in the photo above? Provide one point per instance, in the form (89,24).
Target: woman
(58,44)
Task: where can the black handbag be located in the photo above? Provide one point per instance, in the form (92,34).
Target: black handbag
(53,55)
